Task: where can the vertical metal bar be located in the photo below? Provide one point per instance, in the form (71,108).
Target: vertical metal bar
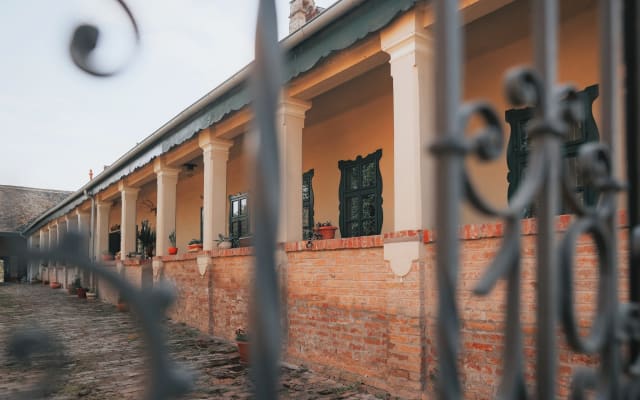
(632,68)
(609,50)
(265,307)
(449,191)
(545,21)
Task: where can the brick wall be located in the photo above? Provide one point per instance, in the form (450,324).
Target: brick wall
(348,314)
(483,318)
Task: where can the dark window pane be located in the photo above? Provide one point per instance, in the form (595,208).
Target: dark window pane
(369,175)
(354,228)
(234,228)
(354,208)
(243,206)
(354,178)
(368,227)
(369,206)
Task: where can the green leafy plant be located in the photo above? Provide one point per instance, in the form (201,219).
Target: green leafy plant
(172,238)
(195,241)
(222,238)
(147,237)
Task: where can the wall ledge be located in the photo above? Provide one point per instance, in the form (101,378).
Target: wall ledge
(529,227)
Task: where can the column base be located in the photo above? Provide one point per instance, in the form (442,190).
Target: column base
(400,255)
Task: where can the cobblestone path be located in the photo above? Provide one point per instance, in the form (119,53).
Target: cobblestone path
(104,354)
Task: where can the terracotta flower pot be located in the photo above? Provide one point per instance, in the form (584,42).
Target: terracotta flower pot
(55,285)
(82,293)
(194,247)
(122,306)
(243,350)
(173,250)
(327,232)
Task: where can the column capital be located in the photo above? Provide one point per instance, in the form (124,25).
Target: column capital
(103,205)
(162,169)
(406,37)
(209,143)
(291,106)
(128,190)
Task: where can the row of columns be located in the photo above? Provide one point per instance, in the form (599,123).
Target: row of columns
(411,64)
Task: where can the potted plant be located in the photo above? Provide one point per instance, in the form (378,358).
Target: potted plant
(147,237)
(55,285)
(242,340)
(122,305)
(194,245)
(326,230)
(73,288)
(91,294)
(224,242)
(172,239)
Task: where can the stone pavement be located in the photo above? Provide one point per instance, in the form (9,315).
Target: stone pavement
(103,354)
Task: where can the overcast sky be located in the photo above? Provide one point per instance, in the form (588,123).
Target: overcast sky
(56,122)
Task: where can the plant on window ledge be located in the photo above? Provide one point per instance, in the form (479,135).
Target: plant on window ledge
(326,230)
(194,245)
(224,242)
(172,240)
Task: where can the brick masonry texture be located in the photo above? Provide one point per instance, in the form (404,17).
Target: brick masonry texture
(346,314)
(103,355)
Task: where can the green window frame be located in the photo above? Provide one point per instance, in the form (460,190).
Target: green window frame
(307,205)
(239,216)
(361,196)
(580,133)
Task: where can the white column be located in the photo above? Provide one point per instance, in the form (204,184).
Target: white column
(167,179)
(129,196)
(30,263)
(83,226)
(411,58)
(54,238)
(42,246)
(215,153)
(101,243)
(60,237)
(290,120)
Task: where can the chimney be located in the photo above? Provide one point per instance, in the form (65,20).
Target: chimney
(301,12)
(90,174)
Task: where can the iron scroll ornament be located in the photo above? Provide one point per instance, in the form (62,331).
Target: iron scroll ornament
(524,87)
(84,41)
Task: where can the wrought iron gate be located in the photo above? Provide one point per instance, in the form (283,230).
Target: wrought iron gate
(615,334)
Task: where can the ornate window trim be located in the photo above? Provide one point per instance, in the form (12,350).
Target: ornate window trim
(517,149)
(349,191)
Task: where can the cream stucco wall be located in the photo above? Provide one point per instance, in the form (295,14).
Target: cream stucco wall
(189,192)
(354,119)
(484,73)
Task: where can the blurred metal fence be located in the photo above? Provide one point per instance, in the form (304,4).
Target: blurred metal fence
(615,332)
(614,326)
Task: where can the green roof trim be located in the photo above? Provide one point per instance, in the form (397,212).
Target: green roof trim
(341,33)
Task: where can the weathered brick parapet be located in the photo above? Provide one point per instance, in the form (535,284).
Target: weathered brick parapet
(348,314)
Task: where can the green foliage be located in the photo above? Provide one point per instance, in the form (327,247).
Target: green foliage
(172,238)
